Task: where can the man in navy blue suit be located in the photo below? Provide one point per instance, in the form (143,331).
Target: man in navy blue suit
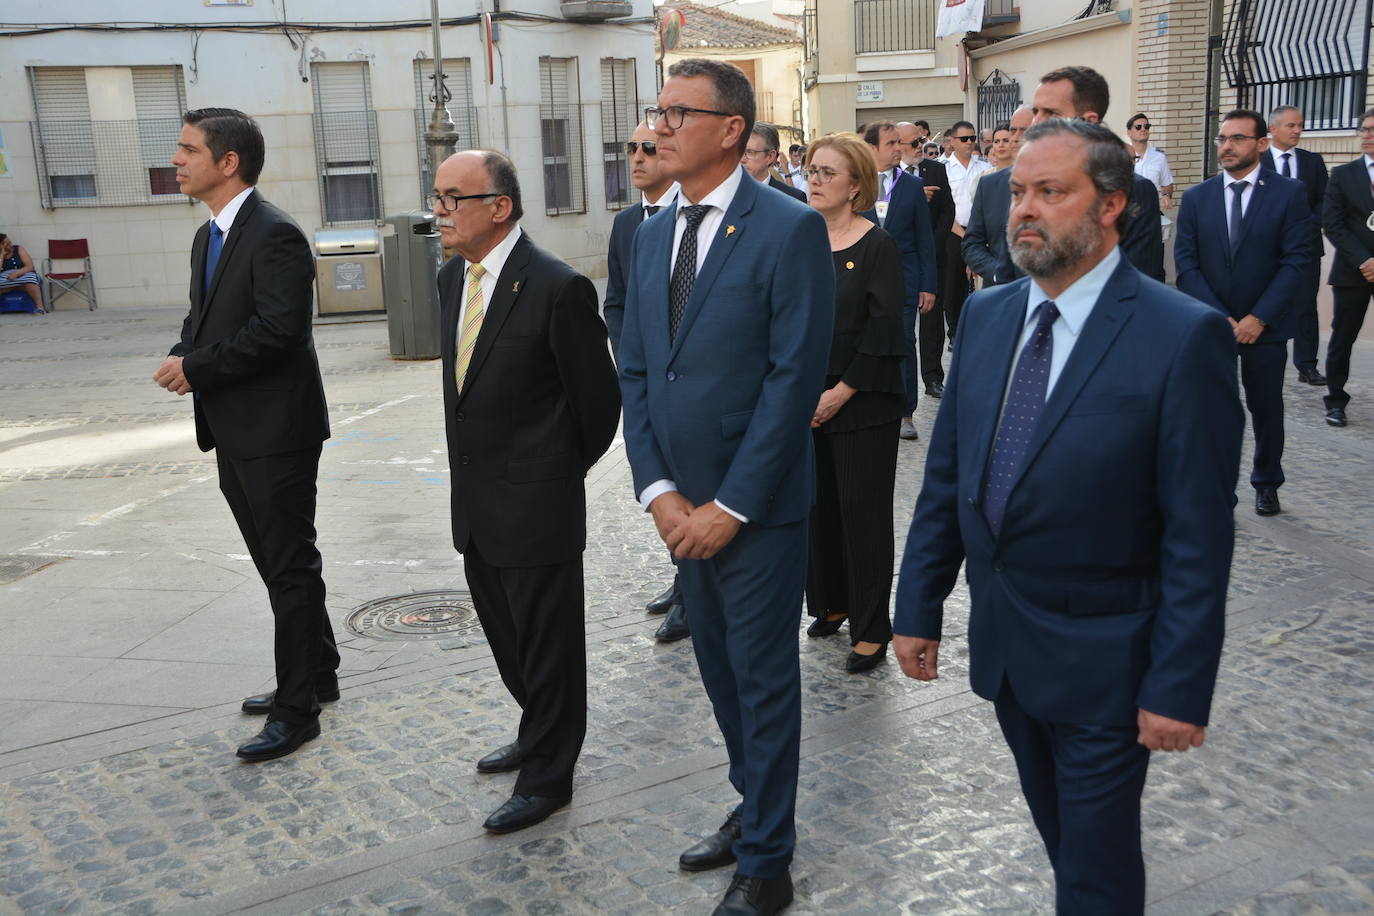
(1083,468)
(721,368)
(1289,160)
(904,214)
(761,156)
(658,191)
(1244,247)
(985,239)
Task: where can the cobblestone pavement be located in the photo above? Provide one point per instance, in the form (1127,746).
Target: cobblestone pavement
(133,622)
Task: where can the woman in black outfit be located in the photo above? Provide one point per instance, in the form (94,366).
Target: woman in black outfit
(856,421)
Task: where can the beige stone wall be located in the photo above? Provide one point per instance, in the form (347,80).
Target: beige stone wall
(1171,82)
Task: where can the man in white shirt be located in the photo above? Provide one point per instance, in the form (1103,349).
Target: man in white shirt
(961,167)
(1150,161)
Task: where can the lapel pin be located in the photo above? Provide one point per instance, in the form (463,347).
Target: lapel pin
(729,231)
(848,265)
(516,287)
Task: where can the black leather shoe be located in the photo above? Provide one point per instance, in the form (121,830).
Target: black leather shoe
(674,626)
(1266,501)
(1311,377)
(935,389)
(822,626)
(716,850)
(277,739)
(1335,416)
(664,601)
(261,704)
(858,664)
(522,811)
(755,896)
(502,760)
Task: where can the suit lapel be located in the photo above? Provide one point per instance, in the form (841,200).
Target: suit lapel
(990,386)
(728,233)
(508,288)
(1259,197)
(198,249)
(1216,210)
(231,244)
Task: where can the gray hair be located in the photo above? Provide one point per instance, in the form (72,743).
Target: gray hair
(1279,111)
(769,133)
(734,93)
(1107,164)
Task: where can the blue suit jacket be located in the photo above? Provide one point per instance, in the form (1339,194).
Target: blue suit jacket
(1106,589)
(984,245)
(1275,250)
(1311,172)
(724,410)
(908,222)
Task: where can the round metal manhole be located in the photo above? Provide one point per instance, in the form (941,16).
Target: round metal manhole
(418,615)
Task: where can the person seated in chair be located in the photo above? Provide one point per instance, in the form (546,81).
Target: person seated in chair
(16,272)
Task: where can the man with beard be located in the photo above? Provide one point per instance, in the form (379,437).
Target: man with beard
(1243,247)
(1083,468)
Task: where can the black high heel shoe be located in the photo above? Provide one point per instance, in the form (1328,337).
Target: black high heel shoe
(822,626)
(858,664)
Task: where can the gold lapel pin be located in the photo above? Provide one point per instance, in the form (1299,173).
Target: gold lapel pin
(516,287)
(848,265)
(729,231)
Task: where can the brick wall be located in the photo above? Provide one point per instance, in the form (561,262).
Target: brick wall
(1171,57)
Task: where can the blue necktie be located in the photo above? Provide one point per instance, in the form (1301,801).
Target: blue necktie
(212,254)
(685,270)
(1237,214)
(1025,402)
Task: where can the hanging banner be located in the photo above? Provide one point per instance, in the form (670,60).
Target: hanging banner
(958,17)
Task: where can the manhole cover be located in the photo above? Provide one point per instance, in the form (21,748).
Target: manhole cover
(13,568)
(419,615)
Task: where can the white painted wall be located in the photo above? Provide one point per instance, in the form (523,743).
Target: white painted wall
(141,254)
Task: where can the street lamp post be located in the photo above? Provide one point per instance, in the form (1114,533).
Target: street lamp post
(441,139)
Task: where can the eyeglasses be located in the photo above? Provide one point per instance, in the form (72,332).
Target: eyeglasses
(757,152)
(1367,131)
(963,139)
(1145,125)
(649,146)
(1233,138)
(674,115)
(824,174)
(451,201)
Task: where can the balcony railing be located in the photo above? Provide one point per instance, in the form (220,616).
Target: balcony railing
(999,12)
(893,25)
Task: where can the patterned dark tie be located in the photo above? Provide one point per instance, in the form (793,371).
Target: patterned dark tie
(685,270)
(212,254)
(1287,165)
(1237,214)
(1025,402)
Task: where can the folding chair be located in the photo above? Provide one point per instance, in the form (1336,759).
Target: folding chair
(69,282)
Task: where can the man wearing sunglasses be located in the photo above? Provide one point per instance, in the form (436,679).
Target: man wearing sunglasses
(962,167)
(659,191)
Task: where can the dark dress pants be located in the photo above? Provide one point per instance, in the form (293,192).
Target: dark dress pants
(851,541)
(911,379)
(273,501)
(1349,304)
(1305,309)
(954,285)
(533,618)
(1262,366)
(931,339)
(1083,785)
(743,606)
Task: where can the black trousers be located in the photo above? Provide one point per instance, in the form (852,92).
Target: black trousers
(273,501)
(1305,309)
(851,544)
(1261,375)
(930,338)
(533,618)
(954,283)
(1083,785)
(1349,304)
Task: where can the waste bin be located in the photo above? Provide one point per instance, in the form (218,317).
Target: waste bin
(348,270)
(414,256)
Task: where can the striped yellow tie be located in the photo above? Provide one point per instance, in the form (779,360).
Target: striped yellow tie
(472,323)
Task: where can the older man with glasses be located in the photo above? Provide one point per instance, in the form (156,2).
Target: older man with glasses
(761,156)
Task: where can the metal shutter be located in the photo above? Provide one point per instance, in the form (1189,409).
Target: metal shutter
(560,117)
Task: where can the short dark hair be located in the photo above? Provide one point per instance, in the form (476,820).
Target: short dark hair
(872,131)
(1108,164)
(1090,92)
(1001,125)
(230,130)
(958,124)
(504,181)
(1241,114)
(769,133)
(923,124)
(796,148)
(734,92)
(1130,122)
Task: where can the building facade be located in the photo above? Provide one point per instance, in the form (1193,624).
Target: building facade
(343,92)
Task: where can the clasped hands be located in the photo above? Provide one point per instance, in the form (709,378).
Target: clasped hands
(171,376)
(692,532)
(1248,329)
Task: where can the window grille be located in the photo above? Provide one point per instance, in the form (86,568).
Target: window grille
(998,98)
(893,25)
(620,115)
(458,83)
(347,148)
(560,136)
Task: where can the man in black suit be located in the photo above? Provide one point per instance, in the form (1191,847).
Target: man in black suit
(530,404)
(761,155)
(247,355)
(985,240)
(1284,156)
(1081,92)
(659,191)
(930,337)
(1348,219)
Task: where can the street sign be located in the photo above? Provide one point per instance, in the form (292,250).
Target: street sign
(869,92)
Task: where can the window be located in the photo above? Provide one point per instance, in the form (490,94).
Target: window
(347,149)
(560,136)
(458,82)
(884,26)
(620,115)
(121,159)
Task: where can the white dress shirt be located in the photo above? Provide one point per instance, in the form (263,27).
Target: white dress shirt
(225,217)
(1227,180)
(663,201)
(961,184)
(492,264)
(718,200)
(1154,165)
(1278,153)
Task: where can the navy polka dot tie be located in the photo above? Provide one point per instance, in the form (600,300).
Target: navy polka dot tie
(685,270)
(1025,402)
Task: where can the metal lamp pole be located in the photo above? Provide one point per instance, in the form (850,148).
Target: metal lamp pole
(441,139)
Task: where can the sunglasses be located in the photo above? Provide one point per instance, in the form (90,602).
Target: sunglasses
(1142,126)
(650,147)
(962,139)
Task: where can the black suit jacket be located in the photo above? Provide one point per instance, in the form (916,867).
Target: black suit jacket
(1348,204)
(933,173)
(538,408)
(618,268)
(1143,240)
(1311,172)
(786,188)
(246,347)
(984,245)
